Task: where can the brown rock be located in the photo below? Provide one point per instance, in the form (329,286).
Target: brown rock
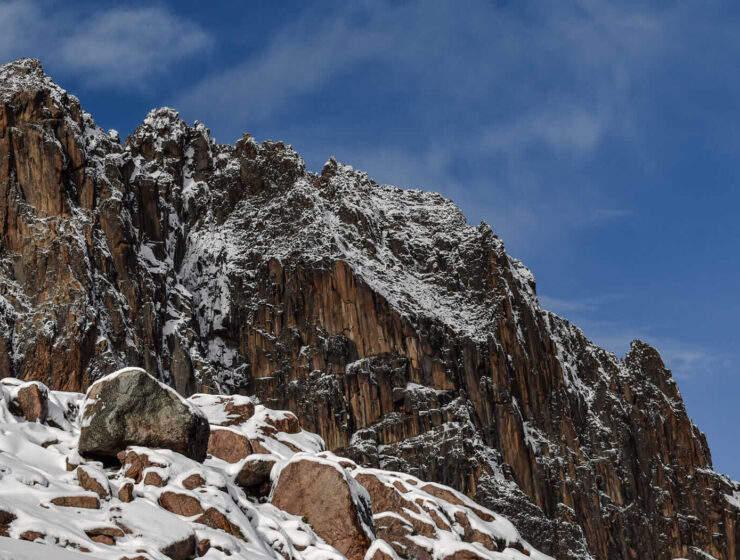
(380,554)
(216,520)
(84,502)
(33,402)
(203,546)
(322,493)
(105,535)
(103,539)
(288,423)
(257,447)
(181,504)
(153,478)
(32,536)
(180,550)
(126,493)
(464,555)
(6,518)
(228,445)
(237,413)
(90,483)
(193,481)
(134,464)
(255,472)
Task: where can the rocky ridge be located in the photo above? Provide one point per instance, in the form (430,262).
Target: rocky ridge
(407,339)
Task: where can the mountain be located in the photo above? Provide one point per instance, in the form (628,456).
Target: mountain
(408,340)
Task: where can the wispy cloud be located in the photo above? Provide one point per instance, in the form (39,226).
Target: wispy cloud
(572,130)
(123,47)
(126,46)
(18,28)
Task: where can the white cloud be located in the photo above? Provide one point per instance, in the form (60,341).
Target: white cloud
(129,45)
(115,47)
(574,130)
(18,28)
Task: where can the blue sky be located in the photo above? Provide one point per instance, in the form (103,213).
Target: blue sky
(598,139)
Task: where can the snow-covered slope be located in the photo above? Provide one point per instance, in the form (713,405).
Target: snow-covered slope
(35,475)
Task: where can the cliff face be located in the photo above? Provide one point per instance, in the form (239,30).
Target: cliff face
(405,338)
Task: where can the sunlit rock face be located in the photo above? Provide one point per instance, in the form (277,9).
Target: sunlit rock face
(404,337)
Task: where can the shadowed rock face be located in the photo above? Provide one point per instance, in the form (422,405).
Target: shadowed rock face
(404,337)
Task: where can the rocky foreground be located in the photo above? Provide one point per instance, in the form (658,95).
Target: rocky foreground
(407,339)
(143,474)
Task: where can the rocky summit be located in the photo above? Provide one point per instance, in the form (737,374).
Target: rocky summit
(406,339)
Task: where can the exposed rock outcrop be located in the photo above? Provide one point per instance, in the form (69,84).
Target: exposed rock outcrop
(404,337)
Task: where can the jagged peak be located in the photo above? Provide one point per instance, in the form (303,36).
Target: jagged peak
(23,67)
(161,117)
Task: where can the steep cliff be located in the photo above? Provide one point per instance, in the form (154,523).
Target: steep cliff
(407,339)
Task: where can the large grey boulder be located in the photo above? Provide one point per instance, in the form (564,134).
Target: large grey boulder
(130,407)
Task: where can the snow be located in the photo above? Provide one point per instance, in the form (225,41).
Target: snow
(12,549)
(33,471)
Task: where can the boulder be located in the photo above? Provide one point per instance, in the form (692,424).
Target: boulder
(228,445)
(32,402)
(84,502)
(180,504)
(214,519)
(126,493)
(193,481)
(335,505)
(130,407)
(180,550)
(254,474)
(87,480)
(105,535)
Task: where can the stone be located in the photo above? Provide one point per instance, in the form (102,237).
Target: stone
(228,445)
(88,482)
(216,520)
(126,492)
(33,402)
(322,493)
(255,471)
(105,535)
(193,481)
(85,502)
(286,422)
(181,504)
(6,518)
(133,408)
(180,550)
(154,478)
(203,546)
(133,464)
(238,413)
